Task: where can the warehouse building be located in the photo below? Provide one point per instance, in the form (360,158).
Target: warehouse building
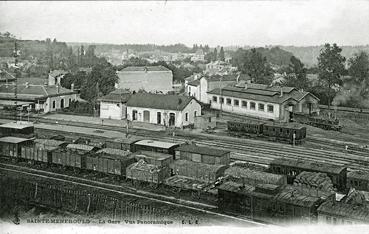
(155,79)
(263,101)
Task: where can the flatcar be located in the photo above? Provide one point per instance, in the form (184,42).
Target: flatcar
(155,146)
(292,167)
(17,129)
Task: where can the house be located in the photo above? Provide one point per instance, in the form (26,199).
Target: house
(263,101)
(56,76)
(199,88)
(113,105)
(219,68)
(199,56)
(43,98)
(167,110)
(155,79)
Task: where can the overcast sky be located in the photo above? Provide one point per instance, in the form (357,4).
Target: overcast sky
(210,22)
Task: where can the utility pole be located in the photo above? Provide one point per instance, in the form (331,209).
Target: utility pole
(15,54)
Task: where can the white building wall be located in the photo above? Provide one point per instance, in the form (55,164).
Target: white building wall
(111,110)
(193,91)
(180,117)
(150,81)
(246,110)
(48,106)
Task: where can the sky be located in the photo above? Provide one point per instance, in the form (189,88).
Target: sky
(225,23)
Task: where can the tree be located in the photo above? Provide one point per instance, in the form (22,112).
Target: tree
(296,74)
(221,54)
(215,55)
(359,68)
(331,65)
(257,67)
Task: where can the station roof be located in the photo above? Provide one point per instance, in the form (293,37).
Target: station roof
(13,140)
(156,144)
(202,150)
(159,101)
(309,165)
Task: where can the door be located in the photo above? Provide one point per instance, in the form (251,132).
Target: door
(146,116)
(134,115)
(172,119)
(62,103)
(158,118)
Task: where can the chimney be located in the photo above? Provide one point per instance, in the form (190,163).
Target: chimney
(72,87)
(281,92)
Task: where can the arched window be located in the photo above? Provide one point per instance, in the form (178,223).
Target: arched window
(54,104)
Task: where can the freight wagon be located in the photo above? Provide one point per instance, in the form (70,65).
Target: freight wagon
(109,161)
(73,155)
(11,146)
(41,149)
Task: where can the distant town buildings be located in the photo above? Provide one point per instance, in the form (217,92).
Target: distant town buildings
(167,110)
(56,76)
(219,68)
(263,101)
(156,79)
(199,56)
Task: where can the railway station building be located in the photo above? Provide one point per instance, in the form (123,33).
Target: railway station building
(168,110)
(43,98)
(263,101)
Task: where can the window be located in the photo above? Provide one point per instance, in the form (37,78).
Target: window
(195,113)
(53,104)
(244,104)
(261,107)
(236,102)
(252,105)
(215,99)
(229,101)
(270,108)
(221,100)
(186,117)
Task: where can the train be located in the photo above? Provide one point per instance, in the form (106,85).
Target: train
(280,132)
(318,121)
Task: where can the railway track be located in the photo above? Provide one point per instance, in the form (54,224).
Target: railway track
(196,206)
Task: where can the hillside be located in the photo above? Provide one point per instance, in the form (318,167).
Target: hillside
(309,54)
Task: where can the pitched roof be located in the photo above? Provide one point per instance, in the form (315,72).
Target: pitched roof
(228,77)
(262,92)
(309,165)
(144,69)
(159,101)
(118,95)
(32,92)
(202,150)
(153,143)
(14,140)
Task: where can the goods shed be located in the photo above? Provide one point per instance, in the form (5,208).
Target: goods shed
(200,171)
(252,177)
(202,154)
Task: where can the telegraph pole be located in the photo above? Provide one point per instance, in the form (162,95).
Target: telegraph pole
(15,54)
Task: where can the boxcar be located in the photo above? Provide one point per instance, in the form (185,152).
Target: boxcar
(11,146)
(17,129)
(41,150)
(358,180)
(73,155)
(292,168)
(247,127)
(285,132)
(122,143)
(109,161)
(156,146)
